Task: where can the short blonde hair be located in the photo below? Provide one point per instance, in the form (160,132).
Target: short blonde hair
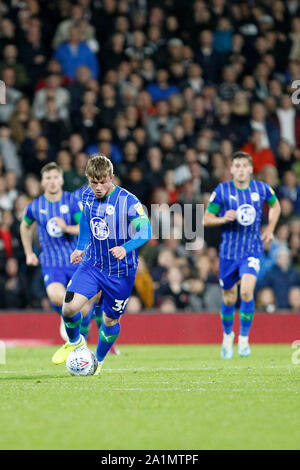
(98,167)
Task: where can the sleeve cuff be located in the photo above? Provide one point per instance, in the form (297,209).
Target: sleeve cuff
(271,201)
(28,220)
(213,208)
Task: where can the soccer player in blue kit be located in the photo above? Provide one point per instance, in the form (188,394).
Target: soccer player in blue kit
(57,214)
(236,206)
(113,226)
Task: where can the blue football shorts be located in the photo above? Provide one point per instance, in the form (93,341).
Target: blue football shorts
(57,274)
(231,271)
(88,280)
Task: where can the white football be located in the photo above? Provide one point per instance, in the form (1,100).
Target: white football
(81,361)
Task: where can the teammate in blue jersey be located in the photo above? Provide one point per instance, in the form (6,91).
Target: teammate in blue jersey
(57,214)
(113,226)
(237,207)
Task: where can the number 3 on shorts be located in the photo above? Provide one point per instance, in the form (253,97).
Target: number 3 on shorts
(120,305)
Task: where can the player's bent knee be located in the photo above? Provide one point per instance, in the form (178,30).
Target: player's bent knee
(229,298)
(246,295)
(108,321)
(57,301)
(68,306)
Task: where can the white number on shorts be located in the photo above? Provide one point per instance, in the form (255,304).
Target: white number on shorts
(254,263)
(120,305)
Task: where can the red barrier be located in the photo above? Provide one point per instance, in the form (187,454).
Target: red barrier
(152,328)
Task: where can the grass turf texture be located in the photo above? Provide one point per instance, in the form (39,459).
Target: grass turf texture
(152,397)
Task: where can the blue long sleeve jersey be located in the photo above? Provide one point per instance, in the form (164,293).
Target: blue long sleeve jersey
(117,220)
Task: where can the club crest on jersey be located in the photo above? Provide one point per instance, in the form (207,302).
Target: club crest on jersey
(110,209)
(64,209)
(246,214)
(99,228)
(255,197)
(53,229)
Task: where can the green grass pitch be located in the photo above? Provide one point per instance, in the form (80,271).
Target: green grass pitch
(152,397)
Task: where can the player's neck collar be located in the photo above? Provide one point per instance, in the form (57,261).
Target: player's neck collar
(52,202)
(242,189)
(105,197)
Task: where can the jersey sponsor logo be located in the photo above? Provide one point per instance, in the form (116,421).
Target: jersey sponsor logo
(110,209)
(43,211)
(212,197)
(64,209)
(139,208)
(255,197)
(233,197)
(246,214)
(99,228)
(53,229)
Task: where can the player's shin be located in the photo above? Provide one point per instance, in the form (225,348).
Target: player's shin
(72,325)
(85,323)
(227,317)
(246,316)
(107,337)
(56,308)
(98,314)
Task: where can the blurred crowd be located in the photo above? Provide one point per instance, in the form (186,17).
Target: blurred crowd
(169,90)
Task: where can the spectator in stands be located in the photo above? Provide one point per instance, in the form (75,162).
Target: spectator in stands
(281,278)
(13,288)
(290,189)
(161,89)
(74,53)
(161,122)
(289,121)
(8,151)
(53,90)
(229,87)
(209,59)
(32,52)
(266,301)
(174,287)
(144,285)
(75,178)
(134,305)
(261,156)
(285,157)
(12,94)
(19,120)
(294,299)
(11,60)
(258,121)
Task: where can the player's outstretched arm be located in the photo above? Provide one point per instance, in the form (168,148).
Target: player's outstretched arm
(83,239)
(213,220)
(142,235)
(26,238)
